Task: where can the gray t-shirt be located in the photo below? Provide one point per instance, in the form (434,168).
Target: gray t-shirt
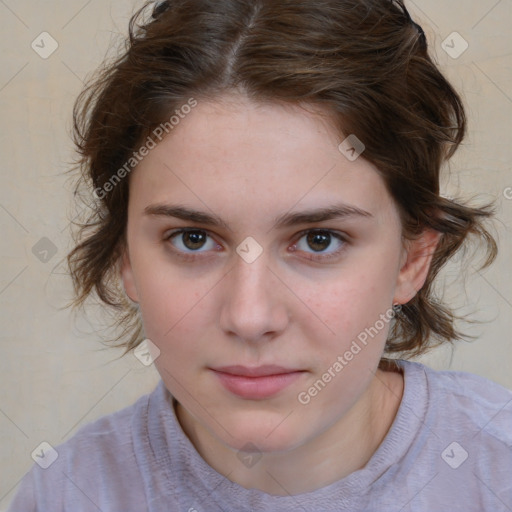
(449,449)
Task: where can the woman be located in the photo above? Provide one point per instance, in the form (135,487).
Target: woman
(268,219)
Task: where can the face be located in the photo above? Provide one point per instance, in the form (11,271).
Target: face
(254,243)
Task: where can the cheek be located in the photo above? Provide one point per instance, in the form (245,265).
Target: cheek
(172,304)
(346,304)
(175,319)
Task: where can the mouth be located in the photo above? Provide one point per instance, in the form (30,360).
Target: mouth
(256,383)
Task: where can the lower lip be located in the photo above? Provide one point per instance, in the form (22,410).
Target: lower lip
(257,388)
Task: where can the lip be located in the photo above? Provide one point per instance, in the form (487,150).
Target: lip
(256,383)
(256,371)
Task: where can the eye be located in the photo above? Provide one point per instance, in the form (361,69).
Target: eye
(319,241)
(189,241)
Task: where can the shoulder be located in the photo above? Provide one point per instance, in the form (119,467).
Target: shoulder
(468,402)
(481,393)
(109,437)
(460,385)
(460,457)
(81,469)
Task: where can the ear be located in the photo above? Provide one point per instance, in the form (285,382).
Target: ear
(128,278)
(416,260)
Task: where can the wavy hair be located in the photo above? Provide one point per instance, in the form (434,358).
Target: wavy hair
(366,61)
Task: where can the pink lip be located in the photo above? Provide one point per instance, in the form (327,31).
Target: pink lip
(256,383)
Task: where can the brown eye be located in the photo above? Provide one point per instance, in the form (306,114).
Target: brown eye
(319,241)
(192,240)
(320,245)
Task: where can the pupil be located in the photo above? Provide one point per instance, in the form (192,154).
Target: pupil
(194,240)
(319,241)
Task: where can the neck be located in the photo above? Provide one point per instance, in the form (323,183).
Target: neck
(343,448)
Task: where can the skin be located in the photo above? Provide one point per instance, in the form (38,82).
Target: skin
(249,163)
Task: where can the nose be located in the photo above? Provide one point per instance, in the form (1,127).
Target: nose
(254,306)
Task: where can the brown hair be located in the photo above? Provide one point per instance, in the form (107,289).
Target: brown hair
(365,61)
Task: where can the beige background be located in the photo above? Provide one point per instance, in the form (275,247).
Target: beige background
(55,375)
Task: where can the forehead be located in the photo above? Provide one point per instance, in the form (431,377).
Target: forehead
(268,156)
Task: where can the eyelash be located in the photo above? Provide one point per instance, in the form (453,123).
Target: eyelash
(299,236)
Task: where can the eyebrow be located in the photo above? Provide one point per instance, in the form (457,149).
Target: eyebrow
(312,216)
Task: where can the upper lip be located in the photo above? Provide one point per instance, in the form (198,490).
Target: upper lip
(256,371)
